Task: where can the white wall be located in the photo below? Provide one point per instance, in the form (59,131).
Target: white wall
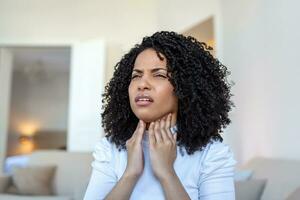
(119,21)
(257,40)
(86,88)
(261,47)
(5,84)
(42,101)
(178,15)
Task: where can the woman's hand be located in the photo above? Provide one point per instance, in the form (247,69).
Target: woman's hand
(162,147)
(135,156)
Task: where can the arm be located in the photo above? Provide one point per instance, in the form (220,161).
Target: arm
(103,177)
(173,188)
(163,152)
(104,185)
(216,181)
(134,168)
(104,182)
(123,188)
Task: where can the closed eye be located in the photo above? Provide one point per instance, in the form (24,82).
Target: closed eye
(160,75)
(156,75)
(134,76)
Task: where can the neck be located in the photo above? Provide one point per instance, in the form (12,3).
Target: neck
(173,123)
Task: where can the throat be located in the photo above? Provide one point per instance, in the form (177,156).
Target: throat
(147,126)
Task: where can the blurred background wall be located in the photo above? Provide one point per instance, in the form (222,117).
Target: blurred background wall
(257,40)
(261,40)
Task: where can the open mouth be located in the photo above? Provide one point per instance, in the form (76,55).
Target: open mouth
(143,103)
(143,100)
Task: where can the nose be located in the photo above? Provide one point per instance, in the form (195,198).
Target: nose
(143,83)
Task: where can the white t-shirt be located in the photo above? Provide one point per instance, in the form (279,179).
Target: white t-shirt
(205,175)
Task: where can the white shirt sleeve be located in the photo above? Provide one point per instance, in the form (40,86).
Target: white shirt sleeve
(217,171)
(103,177)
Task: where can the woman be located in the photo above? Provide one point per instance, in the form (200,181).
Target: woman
(164,110)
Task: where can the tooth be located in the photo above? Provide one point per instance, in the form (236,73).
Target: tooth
(143,99)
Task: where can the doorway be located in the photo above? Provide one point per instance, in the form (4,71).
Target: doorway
(77,86)
(204,32)
(39,99)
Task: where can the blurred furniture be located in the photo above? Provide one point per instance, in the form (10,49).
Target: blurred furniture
(282,178)
(272,179)
(10,162)
(73,170)
(19,144)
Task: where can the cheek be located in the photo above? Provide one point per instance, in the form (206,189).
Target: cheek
(130,92)
(167,94)
(131,95)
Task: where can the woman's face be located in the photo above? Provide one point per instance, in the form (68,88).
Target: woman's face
(150,92)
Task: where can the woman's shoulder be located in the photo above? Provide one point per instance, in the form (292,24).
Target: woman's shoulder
(214,154)
(104,142)
(104,150)
(217,147)
(217,154)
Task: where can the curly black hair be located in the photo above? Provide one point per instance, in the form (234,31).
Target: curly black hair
(199,81)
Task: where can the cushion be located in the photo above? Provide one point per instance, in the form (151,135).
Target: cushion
(250,189)
(295,195)
(64,182)
(4,183)
(282,175)
(24,197)
(33,180)
(12,189)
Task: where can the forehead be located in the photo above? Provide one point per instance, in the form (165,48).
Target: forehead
(148,59)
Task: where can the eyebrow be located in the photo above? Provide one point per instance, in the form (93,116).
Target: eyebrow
(152,70)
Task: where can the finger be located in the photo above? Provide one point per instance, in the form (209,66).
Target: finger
(157,132)
(152,139)
(168,121)
(164,135)
(175,137)
(168,125)
(136,130)
(140,131)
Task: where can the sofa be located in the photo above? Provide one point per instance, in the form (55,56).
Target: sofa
(69,182)
(281,178)
(265,178)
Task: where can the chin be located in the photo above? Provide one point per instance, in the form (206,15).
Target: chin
(146,118)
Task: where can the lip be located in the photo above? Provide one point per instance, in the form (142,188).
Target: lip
(140,102)
(143,103)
